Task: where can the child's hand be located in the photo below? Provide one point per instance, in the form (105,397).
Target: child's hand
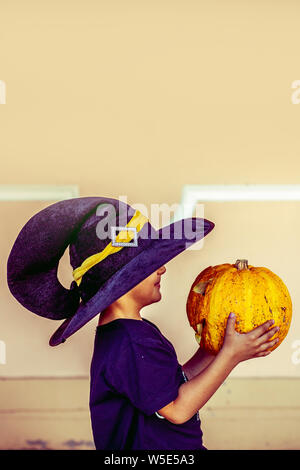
(243,346)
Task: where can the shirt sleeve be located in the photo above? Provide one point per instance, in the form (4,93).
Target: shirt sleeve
(146,372)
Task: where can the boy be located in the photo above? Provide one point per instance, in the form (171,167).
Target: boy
(141,398)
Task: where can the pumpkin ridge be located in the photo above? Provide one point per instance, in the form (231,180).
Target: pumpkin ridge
(278,298)
(216,301)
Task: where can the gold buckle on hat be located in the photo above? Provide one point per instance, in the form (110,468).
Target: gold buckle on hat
(124,230)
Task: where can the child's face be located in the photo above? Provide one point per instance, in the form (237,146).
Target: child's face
(148,291)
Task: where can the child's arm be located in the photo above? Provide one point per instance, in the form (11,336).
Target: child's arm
(192,395)
(197,363)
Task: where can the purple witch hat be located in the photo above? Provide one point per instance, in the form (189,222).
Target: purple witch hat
(112,248)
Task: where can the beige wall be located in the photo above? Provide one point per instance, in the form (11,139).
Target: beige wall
(139,98)
(243,414)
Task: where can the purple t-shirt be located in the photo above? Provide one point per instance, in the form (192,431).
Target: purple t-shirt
(134,373)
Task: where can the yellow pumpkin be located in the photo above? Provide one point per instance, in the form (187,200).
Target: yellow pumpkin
(254,294)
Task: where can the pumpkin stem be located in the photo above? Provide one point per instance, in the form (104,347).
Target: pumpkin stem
(241,264)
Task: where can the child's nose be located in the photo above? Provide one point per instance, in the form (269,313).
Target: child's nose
(162,270)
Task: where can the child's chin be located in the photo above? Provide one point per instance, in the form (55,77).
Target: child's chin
(157,297)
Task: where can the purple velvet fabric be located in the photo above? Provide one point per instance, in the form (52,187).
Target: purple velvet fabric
(33,260)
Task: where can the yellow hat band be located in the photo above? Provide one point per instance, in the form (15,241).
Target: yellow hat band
(125,236)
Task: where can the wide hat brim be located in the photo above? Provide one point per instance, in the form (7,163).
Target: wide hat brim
(159,252)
